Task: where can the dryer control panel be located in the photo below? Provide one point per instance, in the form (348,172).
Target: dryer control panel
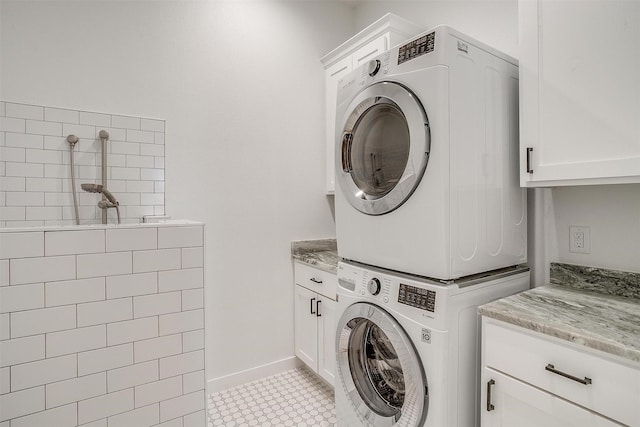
(417,47)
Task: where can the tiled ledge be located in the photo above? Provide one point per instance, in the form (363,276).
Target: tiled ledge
(54,227)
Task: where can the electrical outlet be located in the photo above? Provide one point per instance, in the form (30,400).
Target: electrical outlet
(579,239)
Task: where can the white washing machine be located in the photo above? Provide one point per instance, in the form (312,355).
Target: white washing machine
(427,159)
(407,348)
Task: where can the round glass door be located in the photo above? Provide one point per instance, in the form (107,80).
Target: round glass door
(384,148)
(380,148)
(379,368)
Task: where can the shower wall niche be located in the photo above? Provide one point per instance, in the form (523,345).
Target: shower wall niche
(35,175)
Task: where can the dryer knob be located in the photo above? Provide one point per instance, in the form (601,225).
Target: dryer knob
(374,286)
(373,67)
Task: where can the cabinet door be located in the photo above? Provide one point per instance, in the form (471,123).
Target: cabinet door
(517,404)
(327,339)
(369,50)
(306,330)
(580,92)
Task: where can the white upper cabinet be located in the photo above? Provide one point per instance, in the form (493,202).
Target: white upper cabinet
(386,32)
(579,92)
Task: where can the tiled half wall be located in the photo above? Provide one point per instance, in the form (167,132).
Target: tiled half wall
(35,174)
(102,327)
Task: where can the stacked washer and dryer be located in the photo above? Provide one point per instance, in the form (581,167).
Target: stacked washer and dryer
(430,223)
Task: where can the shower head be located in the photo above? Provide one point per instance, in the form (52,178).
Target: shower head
(97,188)
(103,134)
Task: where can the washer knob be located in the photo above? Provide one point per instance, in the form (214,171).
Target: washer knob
(373,67)
(374,286)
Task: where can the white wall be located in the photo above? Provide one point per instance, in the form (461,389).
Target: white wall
(240,86)
(612,212)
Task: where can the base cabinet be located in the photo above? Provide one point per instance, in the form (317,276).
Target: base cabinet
(306,326)
(532,379)
(327,339)
(315,321)
(512,403)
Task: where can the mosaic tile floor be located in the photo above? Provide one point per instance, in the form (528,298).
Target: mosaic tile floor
(291,398)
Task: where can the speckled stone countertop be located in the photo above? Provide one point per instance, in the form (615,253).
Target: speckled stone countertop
(322,254)
(598,320)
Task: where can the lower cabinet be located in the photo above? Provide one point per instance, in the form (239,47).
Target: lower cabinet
(512,403)
(533,379)
(315,322)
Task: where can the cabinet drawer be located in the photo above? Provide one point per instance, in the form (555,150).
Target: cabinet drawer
(317,280)
(596,382)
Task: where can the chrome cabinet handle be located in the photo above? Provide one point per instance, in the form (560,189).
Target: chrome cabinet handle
(318,309)
(529,165)
(490,385)
(314,280)
(551,368)
(311,305)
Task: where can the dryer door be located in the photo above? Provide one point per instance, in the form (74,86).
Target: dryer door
(383,148)
(379,369)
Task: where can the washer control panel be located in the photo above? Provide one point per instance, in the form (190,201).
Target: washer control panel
(395,291)
(423,299)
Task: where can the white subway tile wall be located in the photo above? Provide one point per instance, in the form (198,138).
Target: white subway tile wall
(35,174)
(84,342)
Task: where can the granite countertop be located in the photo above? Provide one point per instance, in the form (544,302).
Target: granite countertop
(322,254)
(579,314)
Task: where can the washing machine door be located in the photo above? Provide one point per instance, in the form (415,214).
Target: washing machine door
(383,148)
(379,368)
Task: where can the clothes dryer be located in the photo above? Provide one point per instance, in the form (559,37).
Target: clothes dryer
(427,158)
(407,348)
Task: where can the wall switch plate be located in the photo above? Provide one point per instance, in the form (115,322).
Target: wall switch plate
(580,239)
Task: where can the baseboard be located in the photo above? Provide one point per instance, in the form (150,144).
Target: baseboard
(238,378)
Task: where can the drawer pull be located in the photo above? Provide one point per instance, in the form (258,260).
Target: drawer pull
(551,368)
(490,385)
(314,280)
(311,306)
(318,309)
